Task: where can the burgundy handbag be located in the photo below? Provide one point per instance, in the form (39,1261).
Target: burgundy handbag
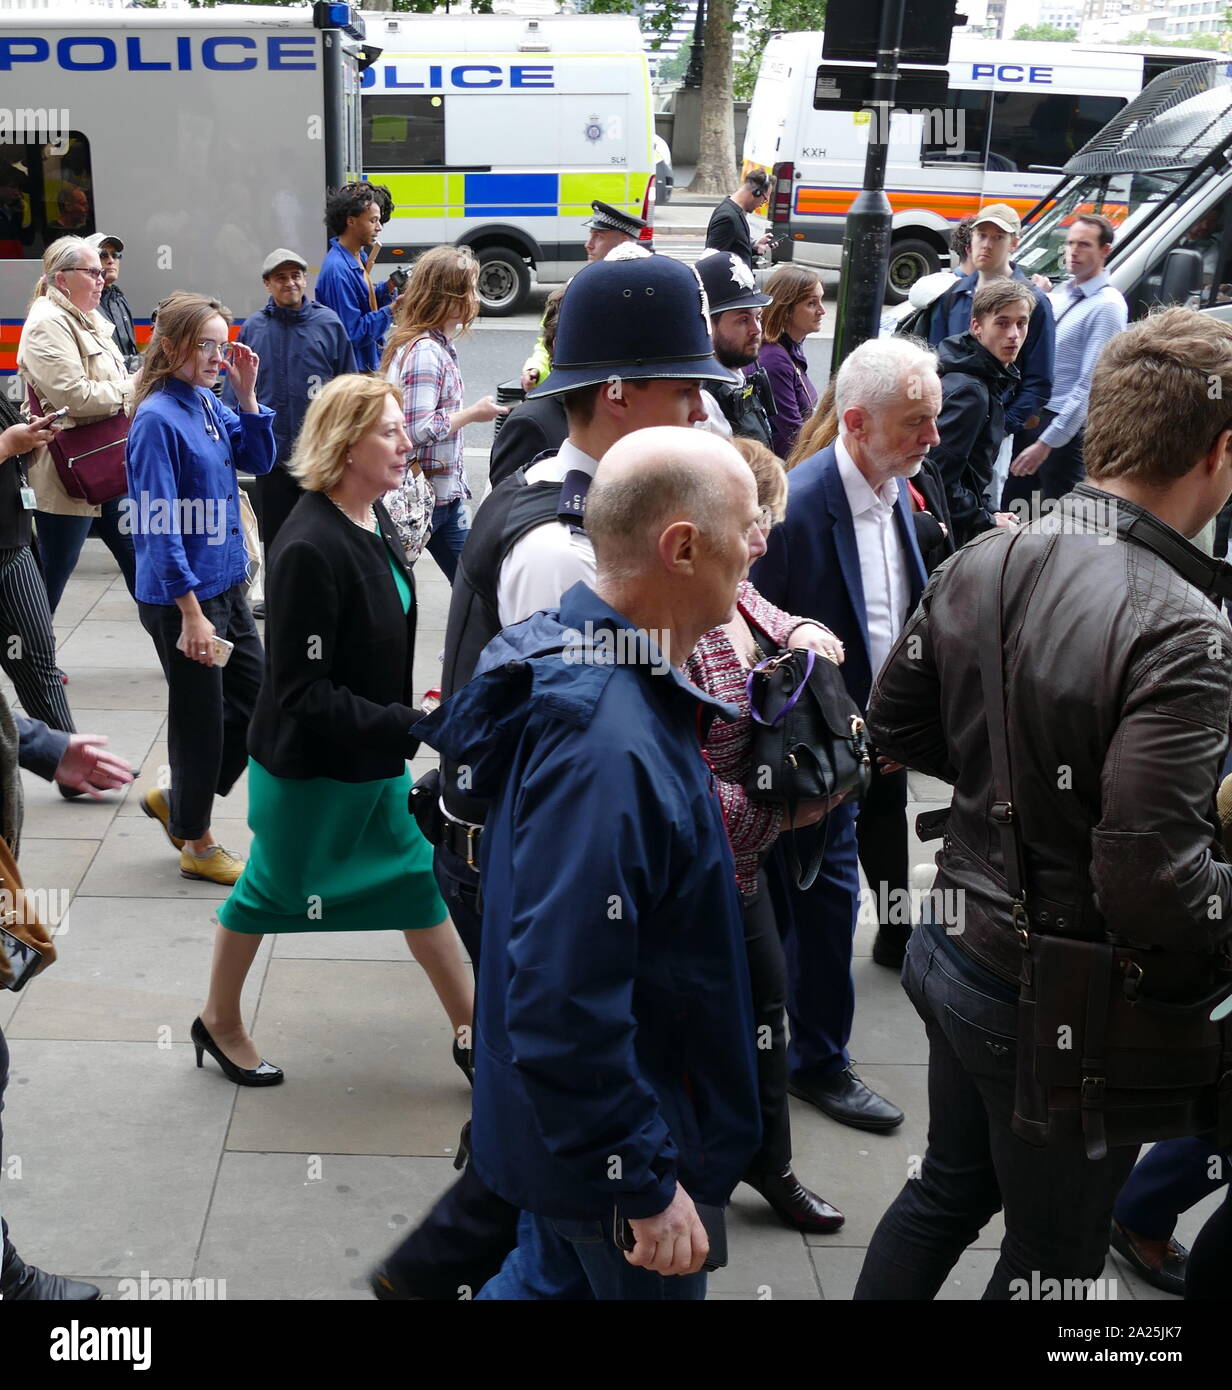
(90,458)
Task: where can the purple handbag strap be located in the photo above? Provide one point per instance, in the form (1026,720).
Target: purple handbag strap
(791,704)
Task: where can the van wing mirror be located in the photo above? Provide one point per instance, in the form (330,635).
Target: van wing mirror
(1182,275)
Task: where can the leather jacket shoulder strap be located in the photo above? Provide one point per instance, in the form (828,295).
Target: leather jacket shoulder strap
(990,627)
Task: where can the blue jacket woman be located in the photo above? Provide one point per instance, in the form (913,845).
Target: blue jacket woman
(183,509)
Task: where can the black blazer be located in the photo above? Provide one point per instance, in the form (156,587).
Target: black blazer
(728,230)
(530,429)
(336,700)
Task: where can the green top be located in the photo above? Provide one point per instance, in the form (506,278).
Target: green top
(404,589)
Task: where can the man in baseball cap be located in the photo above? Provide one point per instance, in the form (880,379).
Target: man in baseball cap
(113,306)
(742,406)
(632,347)
(302,344)
(994,235)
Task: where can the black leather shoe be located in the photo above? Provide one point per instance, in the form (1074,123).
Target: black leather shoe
(264,1074)
(889,947)
(258,609)
(845,1098)
(1160,1263)
(794,1204)
(32,1285)
(389,1288)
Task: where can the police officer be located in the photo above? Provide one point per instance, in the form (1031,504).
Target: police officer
(742,405)
(609,228)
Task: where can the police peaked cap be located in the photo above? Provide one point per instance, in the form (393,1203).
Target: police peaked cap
(640,320)
(606,218)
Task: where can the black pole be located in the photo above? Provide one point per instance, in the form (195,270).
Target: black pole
(866,237)
(693,75)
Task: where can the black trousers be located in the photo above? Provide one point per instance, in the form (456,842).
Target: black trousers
(768,978)
(10,1262)
(209,708)
(275,494)
(27,642)
(881,838)
(1060,472)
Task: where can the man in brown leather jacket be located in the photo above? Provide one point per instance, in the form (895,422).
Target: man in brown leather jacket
(1119,678)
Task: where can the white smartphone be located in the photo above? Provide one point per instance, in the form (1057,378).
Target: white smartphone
(222,649)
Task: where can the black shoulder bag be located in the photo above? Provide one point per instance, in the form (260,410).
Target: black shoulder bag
(1105,1050)
(808,742)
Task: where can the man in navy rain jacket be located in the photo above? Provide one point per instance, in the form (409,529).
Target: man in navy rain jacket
(614,1045)
(302,345)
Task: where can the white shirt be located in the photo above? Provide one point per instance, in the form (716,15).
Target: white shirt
(883,566)
(551,558)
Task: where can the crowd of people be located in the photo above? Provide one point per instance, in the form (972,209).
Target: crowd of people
(650,975)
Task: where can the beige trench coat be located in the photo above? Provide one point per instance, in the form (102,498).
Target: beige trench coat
(70,359)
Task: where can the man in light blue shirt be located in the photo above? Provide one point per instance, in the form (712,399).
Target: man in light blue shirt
(1088,311)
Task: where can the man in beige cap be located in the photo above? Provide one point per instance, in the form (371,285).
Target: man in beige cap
(994,236)
(113,306)
(302,345)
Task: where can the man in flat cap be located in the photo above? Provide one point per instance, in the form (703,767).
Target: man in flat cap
(302,345)
(113,306)
(609,228)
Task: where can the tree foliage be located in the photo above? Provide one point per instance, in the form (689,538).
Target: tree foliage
(1045,33)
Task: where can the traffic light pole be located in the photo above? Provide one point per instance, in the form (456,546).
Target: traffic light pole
(866,238)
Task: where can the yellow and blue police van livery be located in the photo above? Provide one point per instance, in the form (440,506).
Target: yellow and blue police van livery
(497,133)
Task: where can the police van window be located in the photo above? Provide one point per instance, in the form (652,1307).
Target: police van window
(960,136)
(1044,128)
(46,192)
(403,132)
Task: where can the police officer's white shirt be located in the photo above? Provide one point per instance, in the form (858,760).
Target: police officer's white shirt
(550,559)
(883,566)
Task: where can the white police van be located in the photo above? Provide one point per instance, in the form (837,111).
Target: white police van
(497,132)
(203,139)
(1015,114)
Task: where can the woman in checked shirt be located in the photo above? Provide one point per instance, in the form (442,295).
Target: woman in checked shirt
(440,300)
(719,665)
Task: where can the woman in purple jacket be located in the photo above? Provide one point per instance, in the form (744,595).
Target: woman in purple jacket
(795,313)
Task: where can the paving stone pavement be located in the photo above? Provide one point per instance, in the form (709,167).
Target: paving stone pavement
(124,1159)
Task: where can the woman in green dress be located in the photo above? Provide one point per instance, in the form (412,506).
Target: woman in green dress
(334,846)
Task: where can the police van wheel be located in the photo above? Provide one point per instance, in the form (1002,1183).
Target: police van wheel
(504,281)
(909,261)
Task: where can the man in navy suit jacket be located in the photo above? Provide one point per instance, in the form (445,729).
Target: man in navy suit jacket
(846,554)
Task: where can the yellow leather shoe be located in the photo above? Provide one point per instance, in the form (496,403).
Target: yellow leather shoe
(219,866)
(154,804)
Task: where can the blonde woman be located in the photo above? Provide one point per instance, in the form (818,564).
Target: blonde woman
(334,847)
(68,357)
(439,302)
(796,311)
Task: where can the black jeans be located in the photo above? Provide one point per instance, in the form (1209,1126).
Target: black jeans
(274,496)
(1057,1202)
(768,978)
(209,708)
(881,836)
(1060,472)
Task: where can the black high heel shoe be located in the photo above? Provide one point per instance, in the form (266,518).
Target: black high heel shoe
(264,1075)
(462,1056)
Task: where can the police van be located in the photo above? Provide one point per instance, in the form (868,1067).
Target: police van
(203,139)
(496,133)
(1014,115)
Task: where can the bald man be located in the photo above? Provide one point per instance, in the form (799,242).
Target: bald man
(610,908)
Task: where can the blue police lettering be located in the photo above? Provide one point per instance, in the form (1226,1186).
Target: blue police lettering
(458,78)
(135,61)
(1011,72)
(209,52)
(1041,74)
(104,63)
(530,77)
(151,53)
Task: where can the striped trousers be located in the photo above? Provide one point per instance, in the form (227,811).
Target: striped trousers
(27,643)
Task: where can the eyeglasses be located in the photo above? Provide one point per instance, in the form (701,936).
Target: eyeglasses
(211,350)
(95,272)
(111,255)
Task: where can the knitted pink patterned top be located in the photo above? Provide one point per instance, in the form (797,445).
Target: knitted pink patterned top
(716,668)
